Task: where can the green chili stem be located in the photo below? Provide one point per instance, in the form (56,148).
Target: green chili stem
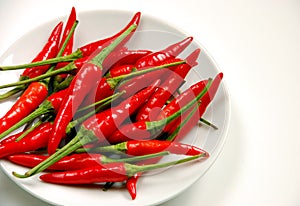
(157,125)
(70,67)
(133,169)
(99,58)
(75,55)
(176,131)
(38,112)
(11,92)
(103,102)
(135,158)
(115,80)
(83,137)
(208,123)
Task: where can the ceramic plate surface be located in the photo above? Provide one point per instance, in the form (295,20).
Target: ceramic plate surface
(155,187)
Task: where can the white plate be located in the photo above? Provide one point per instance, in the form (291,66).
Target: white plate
(156,187)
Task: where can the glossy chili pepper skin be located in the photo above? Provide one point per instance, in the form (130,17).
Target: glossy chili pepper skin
(205,101)
(181,100)
(112,172)
(105,123)
(69,47)
(137,148)
(71,20)
(77,90)
(131,131)
(11,138)
(36,139)
(49,50)
(167,89)
(130,57)
(33,96)
(71,162)
(144,130)
(88,49)
(131,185)
(157,58)
(154,58)
(81,84)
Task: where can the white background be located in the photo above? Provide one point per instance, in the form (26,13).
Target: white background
(256,44)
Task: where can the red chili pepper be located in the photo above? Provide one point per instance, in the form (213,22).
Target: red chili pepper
(130,57)
(112,172)
(49,50)
(205,101)
(11,138)
(171,51)
(69,47)
(36,139)
(131,185)
(88,49)
(144,130)
(71,20)
(105,123)
(167,89)
(72,162)
(33,96)
(50,105)
(154,58)
(75,161)
(107,86)
(137,148)
(180,101)
(81,84)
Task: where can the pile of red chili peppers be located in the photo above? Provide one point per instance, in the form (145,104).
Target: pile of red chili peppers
(103,113)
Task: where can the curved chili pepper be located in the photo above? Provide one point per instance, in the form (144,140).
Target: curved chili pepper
(69,47)
(11,138)
(98,127)
(76,161)
(154,58)
(171,51)
(167,89)
(49,50)
(112,172)
(180,101)
(131,185)
(71,20)
(33,96)
(88,49)
(137,148)
(79,88)
(107,86)
(130,57)
(51,104)
(36,139)
(105,123)
(143,130)
(205,101)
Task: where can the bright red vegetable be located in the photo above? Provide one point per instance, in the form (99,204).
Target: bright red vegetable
(205,101)
(111,172)
(154,58)
(33,96)
(36,139)
(167,89)
(76,161)
(98,127)
(88,49)
(80,86)
(144,130)
(50,105)
(49,51)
